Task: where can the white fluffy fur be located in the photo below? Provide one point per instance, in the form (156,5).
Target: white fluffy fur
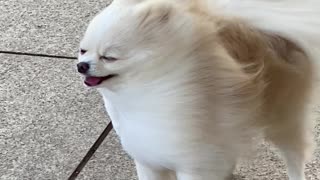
(182,106)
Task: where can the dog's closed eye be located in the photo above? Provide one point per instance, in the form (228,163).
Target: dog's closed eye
(108,58)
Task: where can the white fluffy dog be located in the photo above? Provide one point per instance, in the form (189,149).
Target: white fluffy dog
(190,84)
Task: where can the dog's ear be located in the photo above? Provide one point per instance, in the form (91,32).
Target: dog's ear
(129,1)
(153,14)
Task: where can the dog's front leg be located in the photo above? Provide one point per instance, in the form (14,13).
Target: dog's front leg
(206,176)
(149,173)
(218,174)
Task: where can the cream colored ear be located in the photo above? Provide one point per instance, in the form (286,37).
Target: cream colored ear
(154,13)
(129,2)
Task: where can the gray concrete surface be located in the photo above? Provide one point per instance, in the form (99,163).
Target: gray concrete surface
(53,26)
(48,120)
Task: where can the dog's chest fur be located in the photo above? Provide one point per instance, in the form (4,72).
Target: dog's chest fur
(145,125)
(173,123)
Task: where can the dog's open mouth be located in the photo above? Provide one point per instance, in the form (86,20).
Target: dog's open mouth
(95,81)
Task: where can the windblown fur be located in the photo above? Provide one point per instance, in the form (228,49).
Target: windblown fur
(196,81)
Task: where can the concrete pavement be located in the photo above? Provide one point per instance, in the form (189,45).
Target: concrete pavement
(49,120)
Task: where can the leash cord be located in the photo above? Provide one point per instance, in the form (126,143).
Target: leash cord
(36,55)
(91,151)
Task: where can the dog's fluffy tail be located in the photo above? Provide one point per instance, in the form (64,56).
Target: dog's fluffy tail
(297,20)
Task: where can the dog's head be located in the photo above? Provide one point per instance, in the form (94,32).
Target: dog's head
(134,40)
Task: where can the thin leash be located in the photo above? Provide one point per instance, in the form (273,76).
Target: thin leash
(91,151)
(36,55)
(101,138)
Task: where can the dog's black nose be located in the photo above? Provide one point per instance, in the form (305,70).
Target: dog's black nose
(83,67)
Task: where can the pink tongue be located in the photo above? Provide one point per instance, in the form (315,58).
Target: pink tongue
(93,81)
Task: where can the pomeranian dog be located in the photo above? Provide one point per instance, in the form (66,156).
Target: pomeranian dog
(190,84)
